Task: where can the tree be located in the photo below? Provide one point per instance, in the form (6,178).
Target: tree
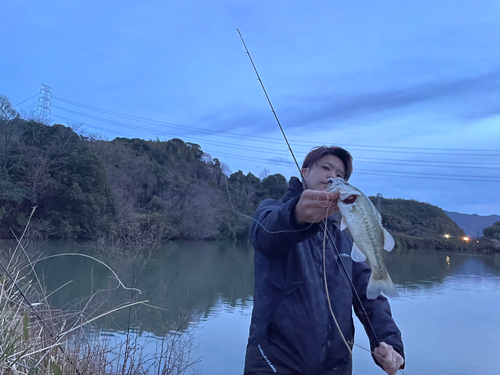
(264,173)
(7,111)
(493,231)
(8,141)
(274,186)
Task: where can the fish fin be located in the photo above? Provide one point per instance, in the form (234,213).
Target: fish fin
(389,242)
(356,254)
(376,287)
(343,224)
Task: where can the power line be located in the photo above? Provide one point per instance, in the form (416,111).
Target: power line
(92,126)
(266,139)
(441,176)
(405,162)
(396,174)
(243,137)
(30,106)
(430,161)
(358,171)
(284,153)
(418,148)
(31,97)
(425,165)
(361,160)
(463,153)
(379,173)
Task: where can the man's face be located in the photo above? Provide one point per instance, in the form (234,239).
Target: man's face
(317,175)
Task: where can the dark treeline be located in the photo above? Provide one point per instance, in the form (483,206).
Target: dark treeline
(493,232)
(85,187)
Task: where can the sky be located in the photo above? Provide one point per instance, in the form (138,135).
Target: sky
(410,88)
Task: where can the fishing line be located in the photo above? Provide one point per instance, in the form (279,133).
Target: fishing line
(327,292)
(329,235)
(256,221)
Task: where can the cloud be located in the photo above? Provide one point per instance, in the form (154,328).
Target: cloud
(450,95)
(465,99)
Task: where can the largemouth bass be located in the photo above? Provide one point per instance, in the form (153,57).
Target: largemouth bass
(370,238)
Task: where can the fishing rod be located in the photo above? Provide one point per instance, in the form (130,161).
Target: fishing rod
(269,100)
(328,234)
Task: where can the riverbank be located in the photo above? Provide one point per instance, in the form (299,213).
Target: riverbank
(479,245)
(37,337)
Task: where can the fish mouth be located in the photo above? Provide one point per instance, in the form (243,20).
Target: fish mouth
(350,199)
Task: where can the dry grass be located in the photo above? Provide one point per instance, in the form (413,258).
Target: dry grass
(37,339)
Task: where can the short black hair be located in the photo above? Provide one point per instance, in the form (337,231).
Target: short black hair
(318,152)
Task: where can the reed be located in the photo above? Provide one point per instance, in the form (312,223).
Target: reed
(38,339)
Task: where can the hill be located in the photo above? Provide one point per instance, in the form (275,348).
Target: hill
(472,225)
(493,232)
(417,225)
(88,188)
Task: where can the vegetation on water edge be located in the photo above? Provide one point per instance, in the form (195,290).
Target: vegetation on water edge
(38,339)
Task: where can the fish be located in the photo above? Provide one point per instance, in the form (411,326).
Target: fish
(370,237)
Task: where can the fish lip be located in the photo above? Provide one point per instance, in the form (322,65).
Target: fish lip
(350,199)
(331,180)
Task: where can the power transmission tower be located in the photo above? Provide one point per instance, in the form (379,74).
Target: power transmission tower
(44,107)
(379,203)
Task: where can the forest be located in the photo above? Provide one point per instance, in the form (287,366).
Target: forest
(85,187)
(73,186)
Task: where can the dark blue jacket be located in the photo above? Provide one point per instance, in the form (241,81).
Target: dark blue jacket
(292,330)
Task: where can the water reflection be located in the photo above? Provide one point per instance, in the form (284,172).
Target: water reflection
(425,269)
(182,279)
(446,310)
(194,278)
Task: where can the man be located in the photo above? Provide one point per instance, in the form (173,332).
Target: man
(293,330)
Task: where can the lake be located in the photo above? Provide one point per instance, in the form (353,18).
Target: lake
(448,309)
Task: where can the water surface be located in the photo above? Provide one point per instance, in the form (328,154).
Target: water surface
(448,309)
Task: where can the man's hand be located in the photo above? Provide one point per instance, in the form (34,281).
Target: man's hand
(315,205)
(390,360)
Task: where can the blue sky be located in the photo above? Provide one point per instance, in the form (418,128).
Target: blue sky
(411,88)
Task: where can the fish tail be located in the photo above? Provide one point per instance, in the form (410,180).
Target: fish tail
(376,287)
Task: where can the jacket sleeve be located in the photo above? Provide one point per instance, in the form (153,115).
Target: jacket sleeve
(376,313)
(275,230)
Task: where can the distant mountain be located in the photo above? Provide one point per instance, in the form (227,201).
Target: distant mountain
(472,225)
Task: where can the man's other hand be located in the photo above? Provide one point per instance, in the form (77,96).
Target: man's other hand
(390,360)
